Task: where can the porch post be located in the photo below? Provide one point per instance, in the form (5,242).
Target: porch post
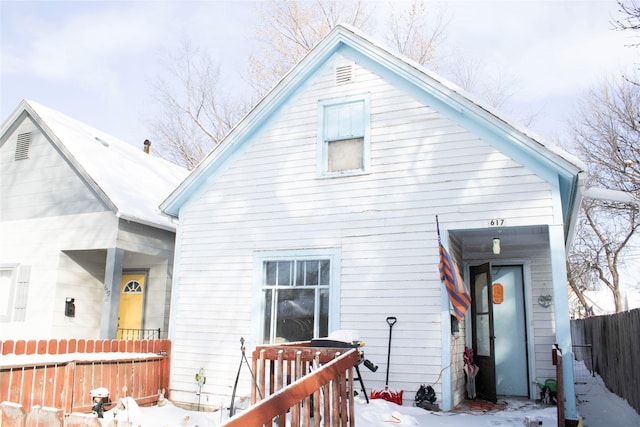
(445,330)
(111,293)
(561,308)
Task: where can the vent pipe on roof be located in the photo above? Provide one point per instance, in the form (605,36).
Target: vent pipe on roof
(147,146)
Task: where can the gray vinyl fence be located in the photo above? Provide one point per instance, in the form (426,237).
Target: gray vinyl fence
(615,342)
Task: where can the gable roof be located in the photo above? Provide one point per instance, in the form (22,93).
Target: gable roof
(549,161)
(129,181)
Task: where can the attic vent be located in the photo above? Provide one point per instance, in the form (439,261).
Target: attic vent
(22,146)
(344,74)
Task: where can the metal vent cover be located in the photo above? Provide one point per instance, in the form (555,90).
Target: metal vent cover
(22,146)
(344,73)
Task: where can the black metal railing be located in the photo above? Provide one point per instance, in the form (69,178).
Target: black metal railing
(138,334)
(582,371)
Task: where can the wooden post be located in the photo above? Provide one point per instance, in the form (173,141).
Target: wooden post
(68,384)
(12,414)
(556,357)
(50,417)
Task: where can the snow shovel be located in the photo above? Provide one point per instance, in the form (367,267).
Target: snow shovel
(387,394)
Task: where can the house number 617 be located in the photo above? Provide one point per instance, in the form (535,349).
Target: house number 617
(497,222)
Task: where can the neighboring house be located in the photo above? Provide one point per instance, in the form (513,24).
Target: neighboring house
(84,250)
(317,213)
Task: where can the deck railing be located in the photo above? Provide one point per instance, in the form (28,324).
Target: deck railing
(314,386)
(61,373)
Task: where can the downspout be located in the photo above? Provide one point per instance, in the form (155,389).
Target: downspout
(577,196)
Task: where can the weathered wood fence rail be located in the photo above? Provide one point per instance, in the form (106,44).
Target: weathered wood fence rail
(61,373)
(616,350)
(313,385)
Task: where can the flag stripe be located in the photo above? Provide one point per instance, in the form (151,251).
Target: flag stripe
(456,289)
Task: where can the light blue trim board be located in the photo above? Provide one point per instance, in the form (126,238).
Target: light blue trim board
(445,320)
(561,308)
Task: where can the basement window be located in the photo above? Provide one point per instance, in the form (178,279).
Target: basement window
(22,146)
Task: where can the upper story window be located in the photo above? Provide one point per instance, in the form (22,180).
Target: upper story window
(343,137)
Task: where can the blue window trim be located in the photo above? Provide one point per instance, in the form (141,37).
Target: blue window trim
(322,152)
(258,304)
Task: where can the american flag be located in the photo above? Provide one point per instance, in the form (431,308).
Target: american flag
(456,289)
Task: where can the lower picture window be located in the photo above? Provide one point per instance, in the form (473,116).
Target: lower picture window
(296,300)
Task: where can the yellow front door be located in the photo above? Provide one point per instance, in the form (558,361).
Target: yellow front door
(130,309)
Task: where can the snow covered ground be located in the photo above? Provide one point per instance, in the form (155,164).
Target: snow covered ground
(601,408)
(597,405)
(378,413)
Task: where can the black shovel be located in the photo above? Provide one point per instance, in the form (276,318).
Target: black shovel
(386,394)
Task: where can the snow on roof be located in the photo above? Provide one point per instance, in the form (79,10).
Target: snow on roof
(134,182)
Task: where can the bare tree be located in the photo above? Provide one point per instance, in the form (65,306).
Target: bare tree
(607,136)
(598,254)
(417,31)
(474,76)
(631,16)
(196,113)
(292,28)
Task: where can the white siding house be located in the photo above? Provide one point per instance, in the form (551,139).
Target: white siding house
(84,250)
(318,213)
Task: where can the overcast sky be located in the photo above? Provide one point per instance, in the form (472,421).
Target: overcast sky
(95,60)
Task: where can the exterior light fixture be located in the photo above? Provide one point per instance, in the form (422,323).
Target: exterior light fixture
(496,246)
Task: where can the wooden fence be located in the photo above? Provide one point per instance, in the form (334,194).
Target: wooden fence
(61,373)
(616,350)
(323,397)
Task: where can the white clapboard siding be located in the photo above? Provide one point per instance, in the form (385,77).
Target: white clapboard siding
(40,243)
(422,164)
(50,218)
(43,184)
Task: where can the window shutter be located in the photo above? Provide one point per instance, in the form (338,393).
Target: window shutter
(22,146)
(344,121)
(22,292)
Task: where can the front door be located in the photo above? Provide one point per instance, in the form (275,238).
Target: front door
(482,331)
(509,328)
(131,303)
(499,331)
